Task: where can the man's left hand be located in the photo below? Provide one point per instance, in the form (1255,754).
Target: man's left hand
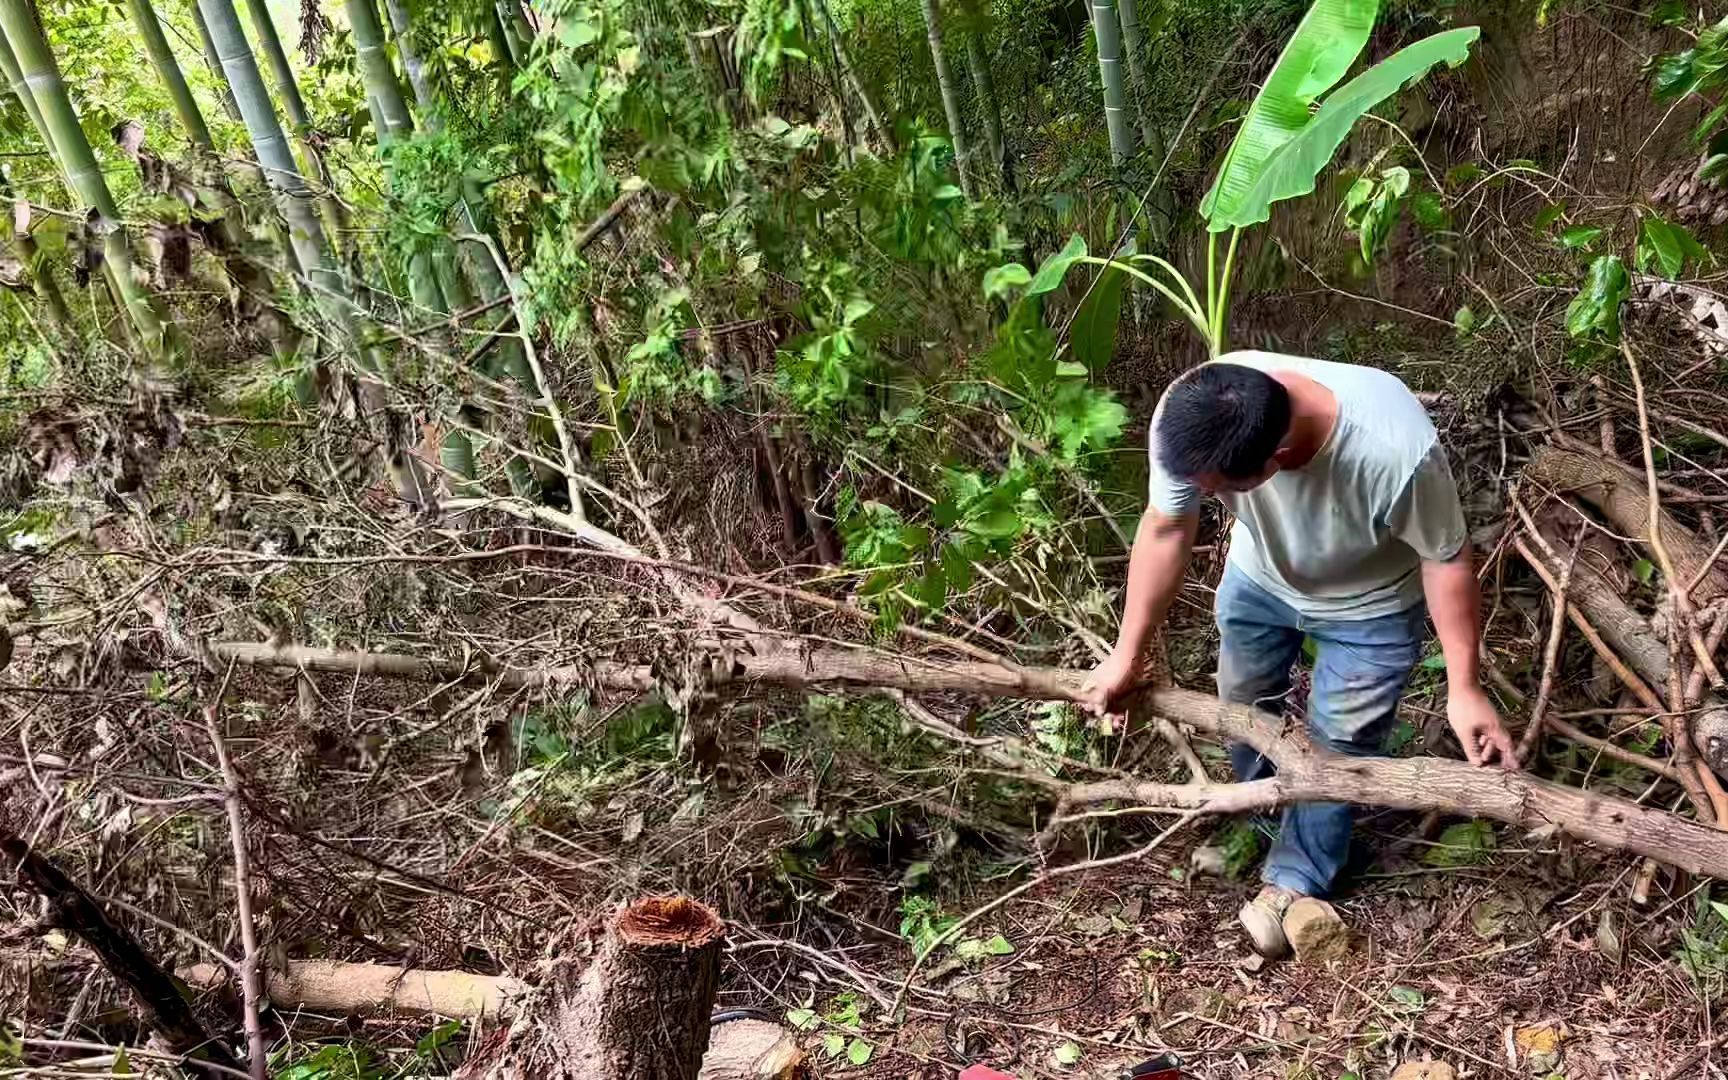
(1477,724)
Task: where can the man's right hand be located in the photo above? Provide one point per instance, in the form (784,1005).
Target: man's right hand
(1109,681)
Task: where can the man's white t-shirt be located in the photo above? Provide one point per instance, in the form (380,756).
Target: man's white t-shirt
(1344,536)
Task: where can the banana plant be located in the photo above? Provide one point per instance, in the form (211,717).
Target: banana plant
(1292,129)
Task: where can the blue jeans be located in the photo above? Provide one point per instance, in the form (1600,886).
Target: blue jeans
(1360,669)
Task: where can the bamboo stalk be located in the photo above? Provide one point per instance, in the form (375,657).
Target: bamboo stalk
(168,70)
(41,75)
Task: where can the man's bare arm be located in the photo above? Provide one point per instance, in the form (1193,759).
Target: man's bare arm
(1454,603)
(1162,546)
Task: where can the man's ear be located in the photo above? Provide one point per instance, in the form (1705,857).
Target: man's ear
(1282,456)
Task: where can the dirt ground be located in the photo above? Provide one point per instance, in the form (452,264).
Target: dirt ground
(1536,962)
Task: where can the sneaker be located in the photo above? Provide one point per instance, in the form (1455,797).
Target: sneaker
(1263,918)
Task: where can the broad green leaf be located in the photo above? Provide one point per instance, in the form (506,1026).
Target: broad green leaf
(858,1053)
(1664,247)
(1326,42)
(833,1044)
(122,1063)
(1720,909)
(1644,570)
(1301,151)
(1548,215)
(1067,1054)
(1463,844)
(1093,335)
(1055,268)
(1409,998)
(1668,13)
(1464,321)
(995,525)
(1595,311)
(998,946)
(1574,237)
(802,1019)
(1001,281)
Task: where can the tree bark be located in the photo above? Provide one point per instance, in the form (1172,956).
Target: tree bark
(168,70)
(1593,600)
(163,1010)
(950,91)
(342,988)
(639,1011)
(1305,772)
(214,63)
(1129,11)
(1623,498)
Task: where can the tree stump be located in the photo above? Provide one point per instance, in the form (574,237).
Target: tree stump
(638,1011)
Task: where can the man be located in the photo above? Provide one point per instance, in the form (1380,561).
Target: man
(1347,520)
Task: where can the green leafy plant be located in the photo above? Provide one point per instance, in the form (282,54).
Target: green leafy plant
(1372,204)
(1702,70)
(1665,248)
(844,1013)
(334,1061)
(1468,843)
(1703,950)
(1594,314)
(922,923)
(1292,128)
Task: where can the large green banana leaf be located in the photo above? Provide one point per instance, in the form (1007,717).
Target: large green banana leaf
(1299,155)
(1327,41)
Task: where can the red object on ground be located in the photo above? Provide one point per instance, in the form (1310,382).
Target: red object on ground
(983,1072)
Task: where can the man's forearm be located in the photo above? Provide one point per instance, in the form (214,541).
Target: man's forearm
(1155,568)
(1454,602)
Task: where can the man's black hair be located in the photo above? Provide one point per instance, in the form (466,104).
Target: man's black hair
(1222,418)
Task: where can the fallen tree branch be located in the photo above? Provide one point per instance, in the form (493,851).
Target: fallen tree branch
(344,988)
(163,1010)
(1622,496)
(250,956)
(1550,657)
(1678,592)
(1306,773)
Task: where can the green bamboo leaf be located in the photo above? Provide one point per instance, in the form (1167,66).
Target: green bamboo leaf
(1301,144)
(1055,268)
(1095,322)
(1548,215)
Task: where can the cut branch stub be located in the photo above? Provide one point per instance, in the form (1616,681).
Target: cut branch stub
(639,1011)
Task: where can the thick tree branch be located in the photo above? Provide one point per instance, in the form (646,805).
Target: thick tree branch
(1305,772)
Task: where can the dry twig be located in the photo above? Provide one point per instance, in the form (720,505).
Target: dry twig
(251,994)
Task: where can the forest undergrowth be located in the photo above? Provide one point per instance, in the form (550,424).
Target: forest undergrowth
(464,468)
